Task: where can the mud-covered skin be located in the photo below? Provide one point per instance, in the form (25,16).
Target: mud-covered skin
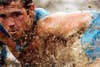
(60,32)
(50,48)
(61,23)
(53,51)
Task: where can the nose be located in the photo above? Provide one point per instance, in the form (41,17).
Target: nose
(11,22)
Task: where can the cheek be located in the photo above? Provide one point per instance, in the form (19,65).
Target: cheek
(21,18)
(4,23)
(20,21)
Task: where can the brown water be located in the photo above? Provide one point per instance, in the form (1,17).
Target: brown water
(68,5)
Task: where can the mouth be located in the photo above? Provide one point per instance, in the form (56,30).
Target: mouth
(13,32)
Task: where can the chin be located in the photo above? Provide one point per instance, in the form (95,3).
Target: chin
(15,37)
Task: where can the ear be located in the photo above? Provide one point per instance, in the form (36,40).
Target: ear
(31,10)
(32,6)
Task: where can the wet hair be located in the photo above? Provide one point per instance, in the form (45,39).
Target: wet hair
(5,2)
(25,3)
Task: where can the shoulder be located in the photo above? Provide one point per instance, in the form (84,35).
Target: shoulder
(61,22)
(40,12)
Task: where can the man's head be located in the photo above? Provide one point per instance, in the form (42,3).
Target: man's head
(14,16)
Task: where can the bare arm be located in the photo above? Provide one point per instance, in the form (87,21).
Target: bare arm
(62,23)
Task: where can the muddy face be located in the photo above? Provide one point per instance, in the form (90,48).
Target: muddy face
(14,17)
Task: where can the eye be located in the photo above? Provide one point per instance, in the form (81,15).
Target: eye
(3,16)
(16,14)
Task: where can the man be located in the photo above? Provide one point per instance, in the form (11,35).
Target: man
(25,13)
(50,43)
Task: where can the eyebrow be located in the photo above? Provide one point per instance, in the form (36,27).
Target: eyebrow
(15,12)
(2,15)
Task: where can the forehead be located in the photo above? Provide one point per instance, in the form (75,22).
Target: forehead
(13,6)
(10,10)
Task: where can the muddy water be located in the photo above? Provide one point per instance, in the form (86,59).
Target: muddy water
(67,5)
